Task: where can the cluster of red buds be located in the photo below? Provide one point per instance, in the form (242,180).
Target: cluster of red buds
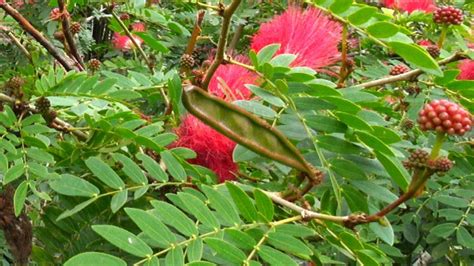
(448,15)
(445,117)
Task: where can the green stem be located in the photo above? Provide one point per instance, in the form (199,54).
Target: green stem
(437,145)
(442,38)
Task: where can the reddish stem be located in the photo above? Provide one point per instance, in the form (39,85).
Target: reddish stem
(68,35)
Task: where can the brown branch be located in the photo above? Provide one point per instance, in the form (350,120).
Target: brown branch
(227,16)
(410,74)
(66,126)
(196,32)
(68,35)
(26,25)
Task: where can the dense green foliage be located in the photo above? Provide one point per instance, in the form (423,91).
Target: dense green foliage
(105,187)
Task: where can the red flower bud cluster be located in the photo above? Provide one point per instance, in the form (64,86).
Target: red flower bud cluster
(448,15)
(445,116)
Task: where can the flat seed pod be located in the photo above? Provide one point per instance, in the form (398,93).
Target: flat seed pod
(246,129)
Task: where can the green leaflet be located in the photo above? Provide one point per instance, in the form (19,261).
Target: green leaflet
(244,128)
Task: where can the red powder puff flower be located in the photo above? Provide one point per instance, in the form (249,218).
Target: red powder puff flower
(388,3)
(410,6)
(213,150)
(228,82)
(124,43)
(467,69)
(309,34)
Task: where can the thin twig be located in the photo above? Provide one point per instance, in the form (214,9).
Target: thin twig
(68,35)
(221,45)
(135,43)
(410,74)
(26,25)
(306,214)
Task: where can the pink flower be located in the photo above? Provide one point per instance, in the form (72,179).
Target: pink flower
(213,150)
(124,43)
(229,81)
(389,3)
(309,34)
(467,69)
(410,6)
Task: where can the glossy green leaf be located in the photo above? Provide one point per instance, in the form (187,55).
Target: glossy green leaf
(240,239)
(174,217)
(152,168)
(282,60)
(395,169)
(243,202)
(226,251)
(275,257)
(13,173)
(443,230)
(222,205)
(374,142)
(124,240)
(118,200)
(175,91)
(264,204)
(95,258)
(383,29)
(74,186)
(131,169)
(151,226)
(266,53)
(104,172)
(338,145)
(175,257)
(266,95)
(289,244)
(465,238)
(39,155)
(19,197)
(416,56)
(362,15)
(296,230)
(325,123)
(452,201)
(353,121)
(152,42)
(195,250)
(79,207)
(347,169)
(199,210)
(340,6)
(175,168)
